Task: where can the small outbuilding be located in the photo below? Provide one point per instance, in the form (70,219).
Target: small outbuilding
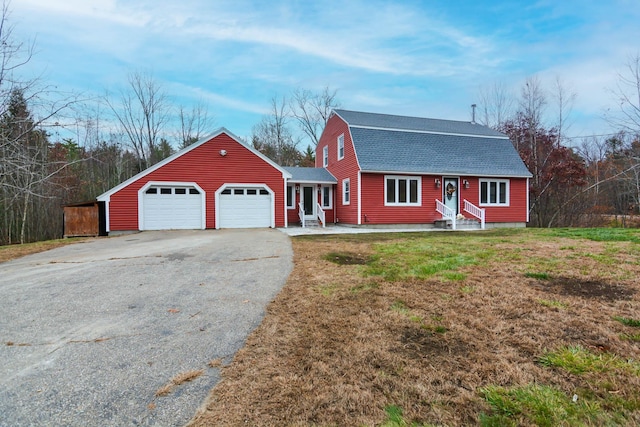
(84,219)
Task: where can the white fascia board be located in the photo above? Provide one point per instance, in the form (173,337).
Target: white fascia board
(390,172)
(105,196)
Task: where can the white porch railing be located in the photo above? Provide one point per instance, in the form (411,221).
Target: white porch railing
(321,214)
(301,213)
(475,211)
(446,212)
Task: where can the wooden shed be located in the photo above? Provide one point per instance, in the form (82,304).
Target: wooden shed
(84,219)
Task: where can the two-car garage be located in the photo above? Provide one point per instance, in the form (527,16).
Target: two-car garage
(173,206)
(217,182)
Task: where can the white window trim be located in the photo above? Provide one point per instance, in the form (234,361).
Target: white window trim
(341,147)
(487,180)
(330,205)
(408,178)
(345,182)
(293,196)
(325,156)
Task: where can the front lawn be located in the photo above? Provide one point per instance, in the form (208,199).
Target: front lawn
(495,328)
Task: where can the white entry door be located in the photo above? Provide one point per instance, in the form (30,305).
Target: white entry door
(309,201)
(450,194)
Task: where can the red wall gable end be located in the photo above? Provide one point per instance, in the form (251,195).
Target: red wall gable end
(205,166)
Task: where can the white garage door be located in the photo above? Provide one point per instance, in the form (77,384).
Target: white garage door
(245,207)
(171,208)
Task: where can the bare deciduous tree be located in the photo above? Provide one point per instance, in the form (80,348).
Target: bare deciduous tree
(627,94)
(273,137)
(496,105)
(564,100)
(142,112)
(194,123)
(311,110)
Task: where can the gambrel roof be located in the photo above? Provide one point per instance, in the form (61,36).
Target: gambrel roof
(388,143)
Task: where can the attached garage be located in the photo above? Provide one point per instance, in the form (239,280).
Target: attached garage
(171,206)
(217,182)
(245,207)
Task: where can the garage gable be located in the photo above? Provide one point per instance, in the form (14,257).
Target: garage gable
(183,191)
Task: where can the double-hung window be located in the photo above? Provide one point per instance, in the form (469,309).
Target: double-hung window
(494,192)
(346,191)
(325,156)
(326,196)
(290,197)
(402,190)
(341,147)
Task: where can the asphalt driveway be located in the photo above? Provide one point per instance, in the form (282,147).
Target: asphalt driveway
(91,331)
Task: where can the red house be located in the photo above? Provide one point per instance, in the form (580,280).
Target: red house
(409,170)
(218,182)
(371,169)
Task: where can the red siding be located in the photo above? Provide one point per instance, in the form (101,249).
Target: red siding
(375,212)
(347,167)
(205,166)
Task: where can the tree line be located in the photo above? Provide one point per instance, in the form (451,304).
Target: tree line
(588,182)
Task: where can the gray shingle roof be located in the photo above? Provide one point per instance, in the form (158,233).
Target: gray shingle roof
(385,143)
(319,175)
(388,121)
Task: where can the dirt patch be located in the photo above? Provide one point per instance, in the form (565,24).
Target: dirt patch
(336,347)
(347,258)
(590,289)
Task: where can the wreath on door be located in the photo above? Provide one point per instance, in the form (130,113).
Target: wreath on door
(450,190)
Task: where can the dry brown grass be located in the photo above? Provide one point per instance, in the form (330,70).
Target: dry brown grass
(180,378)
(336,347)
(9,252)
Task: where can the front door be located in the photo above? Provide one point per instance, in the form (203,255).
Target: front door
(450,194)
(309,202)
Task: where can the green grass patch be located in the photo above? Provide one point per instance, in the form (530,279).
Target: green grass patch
(539,276)
(365,287)
(400,307)
(578,360)
(627,321)
(468,289)
(598,234)
(454,276)
(539,405)
(395,418)
(552,303)
(328,290)
(425,257)
(630,337)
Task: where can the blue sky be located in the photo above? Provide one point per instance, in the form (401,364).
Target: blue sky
(421,58)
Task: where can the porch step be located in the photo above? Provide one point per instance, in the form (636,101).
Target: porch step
(312,223)
(461,224)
